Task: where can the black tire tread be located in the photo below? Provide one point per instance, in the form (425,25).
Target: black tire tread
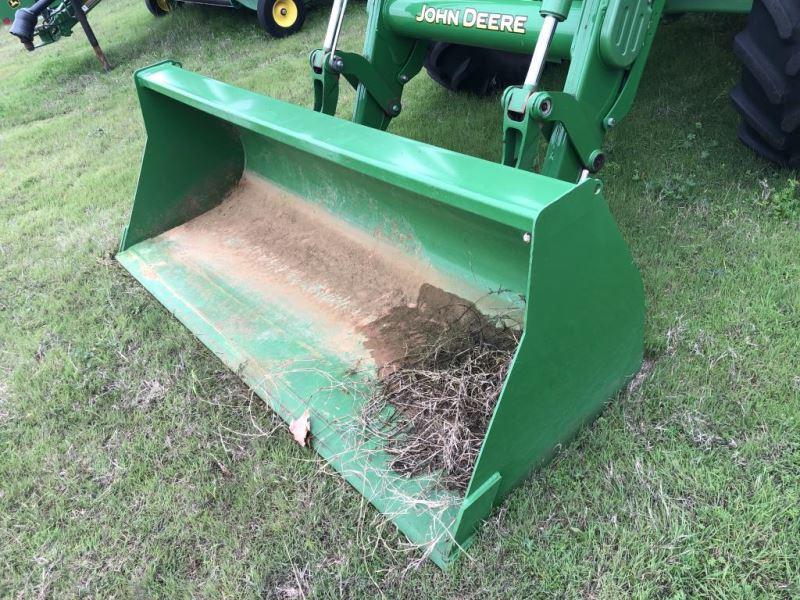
(474,70)
(154,8)
(768,97)
(264,14)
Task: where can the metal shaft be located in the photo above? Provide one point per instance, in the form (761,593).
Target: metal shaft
(334,26)
(536,67)
(81,16)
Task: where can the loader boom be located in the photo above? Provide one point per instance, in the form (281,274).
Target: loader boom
(606,41)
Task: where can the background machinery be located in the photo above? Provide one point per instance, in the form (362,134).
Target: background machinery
(46,21)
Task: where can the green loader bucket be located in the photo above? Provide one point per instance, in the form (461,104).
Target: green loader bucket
(277,235)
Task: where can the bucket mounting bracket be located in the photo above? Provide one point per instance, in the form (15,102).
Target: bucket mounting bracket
(525,113)
(326,69)
(326,83)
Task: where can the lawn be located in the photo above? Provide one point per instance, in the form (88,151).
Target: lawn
(134,464)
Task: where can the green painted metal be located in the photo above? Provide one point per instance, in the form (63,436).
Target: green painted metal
(382,88)
(556,8)
(593,82)
(9,7)
(525,112)
(708,6)
(520,133)
(624,32)
(583,338)
(465,219)
(387,63)
(624,102)
(249,4)
(610,41)
(612,35)
(390,54)
(59,21)
(406,18)
(403,18)
(325,81)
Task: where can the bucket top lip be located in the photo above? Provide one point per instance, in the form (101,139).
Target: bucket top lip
(492,190)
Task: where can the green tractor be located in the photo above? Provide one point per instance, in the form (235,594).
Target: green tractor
(49,20)
(279,18)
(9,7)
(301,248)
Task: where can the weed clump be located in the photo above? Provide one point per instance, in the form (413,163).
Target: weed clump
(783,203)
(432,406)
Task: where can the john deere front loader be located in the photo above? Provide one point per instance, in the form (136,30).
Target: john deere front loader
(280,235)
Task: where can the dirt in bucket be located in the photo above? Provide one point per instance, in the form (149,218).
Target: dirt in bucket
(440,361)
(270,238)
(444,364)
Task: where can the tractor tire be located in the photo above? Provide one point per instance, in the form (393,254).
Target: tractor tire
(768,96)
(474,70)
(159,8)
(280,18)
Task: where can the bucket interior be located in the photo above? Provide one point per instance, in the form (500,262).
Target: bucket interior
(284,278)
(285,239)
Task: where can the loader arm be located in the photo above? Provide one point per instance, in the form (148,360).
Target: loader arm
(606,41)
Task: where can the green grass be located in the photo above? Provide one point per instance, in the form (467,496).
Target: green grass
(131,463)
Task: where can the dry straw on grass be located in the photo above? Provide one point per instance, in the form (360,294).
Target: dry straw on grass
(432,408)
